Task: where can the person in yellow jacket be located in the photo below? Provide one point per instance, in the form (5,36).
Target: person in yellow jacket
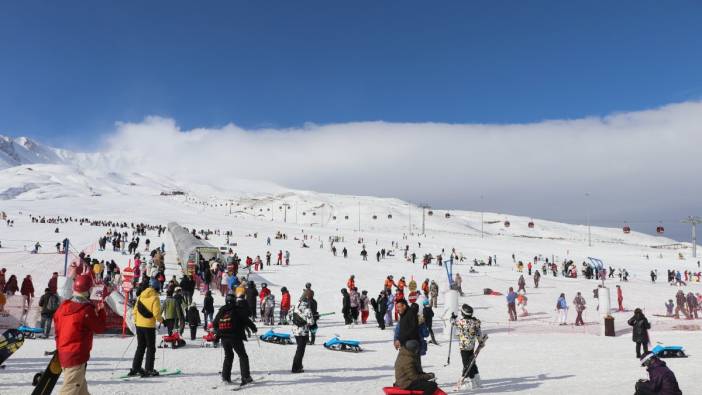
(147,310)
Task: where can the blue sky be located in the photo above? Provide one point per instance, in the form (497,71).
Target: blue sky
(69,71)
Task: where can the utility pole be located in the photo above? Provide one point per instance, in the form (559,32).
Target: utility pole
(693,221)
(424,207)
(285,212)
(359,215)
(589,235)
(231,202)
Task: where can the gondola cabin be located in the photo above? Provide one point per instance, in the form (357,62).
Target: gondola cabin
(447,215)
(507,224)
(375,217)
(660,230)
(626,229)
(531,225)
(389,216)
(430,213)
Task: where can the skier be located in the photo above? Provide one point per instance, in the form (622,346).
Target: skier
(639,334)
(229,324)
(301,319)
(193,318)
(661,380)
(469,333)
(76,320)
(147,309)
(562,308)
(579,303)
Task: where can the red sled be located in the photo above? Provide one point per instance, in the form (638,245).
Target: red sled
(400,391)
(174,340)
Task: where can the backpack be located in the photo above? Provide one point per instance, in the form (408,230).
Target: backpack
(52,303)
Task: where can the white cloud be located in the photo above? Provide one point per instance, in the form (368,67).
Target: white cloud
(629,162)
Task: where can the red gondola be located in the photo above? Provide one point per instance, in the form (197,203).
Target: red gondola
(626,229)
(389,216)
(660,230)
(531,224)
(507,224)
(430,213)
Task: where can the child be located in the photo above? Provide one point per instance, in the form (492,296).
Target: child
(193,318)
(669,308)
(522,302)
(268,308)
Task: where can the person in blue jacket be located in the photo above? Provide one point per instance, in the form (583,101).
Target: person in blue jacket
(511,304)
(562,307)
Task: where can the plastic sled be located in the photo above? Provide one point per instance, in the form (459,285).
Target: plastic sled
(174,340)
(400,391)
(209,340)
(30,332)
(336,344)
(669,351)
(276,338)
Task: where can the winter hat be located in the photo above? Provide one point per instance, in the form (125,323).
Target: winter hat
(308,285)
(646,358)
(412,345)
(466,310)
(230,299)
(284,289)
(153,283)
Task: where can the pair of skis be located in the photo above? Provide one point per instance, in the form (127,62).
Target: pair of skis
(238,387)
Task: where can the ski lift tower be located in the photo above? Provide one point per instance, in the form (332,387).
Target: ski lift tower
(424,207)
(693,221)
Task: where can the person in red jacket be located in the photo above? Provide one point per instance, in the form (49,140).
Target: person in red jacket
(53,283)
(265,291)
(76,320)
(27,291)
(284,306)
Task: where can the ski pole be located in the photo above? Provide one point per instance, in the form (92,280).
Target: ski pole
(123,354)
(448,359)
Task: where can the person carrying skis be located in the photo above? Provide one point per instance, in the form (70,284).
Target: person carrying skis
(639,333)
(147,310)
(469,334)
(579,303)
(76,321)
(661,380)
(229,324)
(301,319)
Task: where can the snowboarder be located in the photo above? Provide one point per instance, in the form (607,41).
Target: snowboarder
(230,325)
(147,309)
(301,319)
(661,380)
(639,334)
(76,320)
(469,334)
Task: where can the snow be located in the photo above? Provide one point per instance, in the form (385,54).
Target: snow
(532,355)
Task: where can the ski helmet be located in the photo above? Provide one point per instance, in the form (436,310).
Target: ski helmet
(83,283)
(466,310)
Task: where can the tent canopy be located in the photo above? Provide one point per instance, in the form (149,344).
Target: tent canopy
(190,248)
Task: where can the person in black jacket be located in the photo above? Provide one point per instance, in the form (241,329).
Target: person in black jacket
(428,314)
(208,308)
(380,307)
(193,318)
(229,325)
(346,306)
(409,324)
(188,287)
(639,333)
(312,303)
(251,295)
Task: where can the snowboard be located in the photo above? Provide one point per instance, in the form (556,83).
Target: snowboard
(161,372)
(10,341)
(44,382)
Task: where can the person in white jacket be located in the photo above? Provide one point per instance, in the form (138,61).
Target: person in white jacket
(301,319)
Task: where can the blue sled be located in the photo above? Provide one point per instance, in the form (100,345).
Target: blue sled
(277,338)
(669,351)
(29,331)
(337,344)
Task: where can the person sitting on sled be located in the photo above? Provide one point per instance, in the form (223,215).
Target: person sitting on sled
(408,374)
